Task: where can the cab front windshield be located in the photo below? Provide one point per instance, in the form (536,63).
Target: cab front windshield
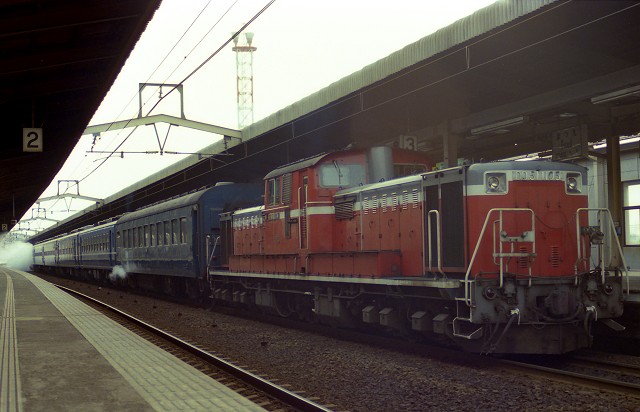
(335,174)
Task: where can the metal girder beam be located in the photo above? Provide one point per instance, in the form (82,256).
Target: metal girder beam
(92,199)
(39,218)
(163,118)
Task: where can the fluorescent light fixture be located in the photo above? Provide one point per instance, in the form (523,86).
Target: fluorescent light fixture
(499,127)
(617,95)
(632,139)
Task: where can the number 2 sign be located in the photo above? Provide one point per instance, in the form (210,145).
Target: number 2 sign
(32,139)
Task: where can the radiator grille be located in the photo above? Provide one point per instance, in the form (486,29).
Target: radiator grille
(344,208)
(523,262)
(286,189)
(555,257)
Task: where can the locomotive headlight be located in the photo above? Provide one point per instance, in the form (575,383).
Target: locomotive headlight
(608,289)
(496,183)
(573,183)
(490,293)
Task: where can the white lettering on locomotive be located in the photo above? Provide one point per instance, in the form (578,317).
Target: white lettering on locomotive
(537,175)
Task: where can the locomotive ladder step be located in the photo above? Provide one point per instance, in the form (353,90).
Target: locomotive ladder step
(463,328)
(463,311)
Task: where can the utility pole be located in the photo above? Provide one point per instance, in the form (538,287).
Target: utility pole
(244,67)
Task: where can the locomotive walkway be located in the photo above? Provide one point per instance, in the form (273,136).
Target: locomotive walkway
(56,353)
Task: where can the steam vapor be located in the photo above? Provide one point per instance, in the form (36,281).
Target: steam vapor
(118,272)
(15,254)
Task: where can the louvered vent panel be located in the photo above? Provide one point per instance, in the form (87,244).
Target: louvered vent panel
(286,189)
(523,262)
(555,256)
(344,208)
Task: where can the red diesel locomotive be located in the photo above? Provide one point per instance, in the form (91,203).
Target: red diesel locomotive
(497,257)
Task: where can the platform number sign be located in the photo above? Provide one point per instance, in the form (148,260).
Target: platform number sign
(32,139)
(409,142)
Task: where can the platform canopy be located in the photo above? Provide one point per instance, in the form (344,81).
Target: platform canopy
(58,59)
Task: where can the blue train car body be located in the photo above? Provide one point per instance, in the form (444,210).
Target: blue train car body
(175,238)
(170,238)
(97,247)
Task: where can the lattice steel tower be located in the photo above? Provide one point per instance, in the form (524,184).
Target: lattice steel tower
(244,65)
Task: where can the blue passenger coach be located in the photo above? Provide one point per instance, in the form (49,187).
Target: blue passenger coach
(97,248)
(165,246)
(172,238)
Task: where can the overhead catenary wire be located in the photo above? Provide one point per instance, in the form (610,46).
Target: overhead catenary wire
(225,44)
(163,60)
(187,30)
(200,66)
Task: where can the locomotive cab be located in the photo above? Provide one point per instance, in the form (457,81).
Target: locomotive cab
(294,229)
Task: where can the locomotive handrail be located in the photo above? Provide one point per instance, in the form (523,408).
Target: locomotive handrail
(467,287)
(498,238)
(210,256)
(580,258)
(439,244)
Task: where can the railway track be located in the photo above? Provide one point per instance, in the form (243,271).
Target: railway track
(627,372)
(489,366)
(259,389)
(585,371)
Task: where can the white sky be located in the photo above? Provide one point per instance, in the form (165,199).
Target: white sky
(302,46)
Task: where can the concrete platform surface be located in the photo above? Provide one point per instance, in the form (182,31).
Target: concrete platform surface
(57,354)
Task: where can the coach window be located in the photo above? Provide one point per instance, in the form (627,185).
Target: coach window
(152,235)
(146,235)
(183,230)
(341,175)
(140,237)
(119,239)
(174,231)
(167,233)
(632,213)
(160,231)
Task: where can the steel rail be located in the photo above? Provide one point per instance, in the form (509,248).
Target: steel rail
(281,394)
(584,379)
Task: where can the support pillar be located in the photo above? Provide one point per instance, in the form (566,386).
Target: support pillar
(449,146)
(614,186)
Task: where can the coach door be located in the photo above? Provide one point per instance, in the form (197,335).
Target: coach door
(56,250)
(444,220)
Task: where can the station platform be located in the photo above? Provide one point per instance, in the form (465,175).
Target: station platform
(58,354)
